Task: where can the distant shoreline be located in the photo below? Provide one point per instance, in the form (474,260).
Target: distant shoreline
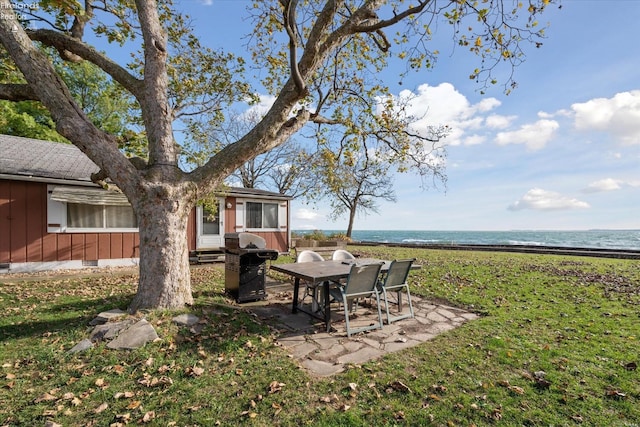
(615,240)
(532,249)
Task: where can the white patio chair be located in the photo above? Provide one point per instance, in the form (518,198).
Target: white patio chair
(311,289)
(342,255)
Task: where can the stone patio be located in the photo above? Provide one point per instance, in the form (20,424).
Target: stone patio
(325,354)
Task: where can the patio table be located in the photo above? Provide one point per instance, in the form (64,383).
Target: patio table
(322,272)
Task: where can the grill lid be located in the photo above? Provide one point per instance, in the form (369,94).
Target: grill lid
(247,240)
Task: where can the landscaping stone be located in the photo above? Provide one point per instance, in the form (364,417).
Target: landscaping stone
(109,330)
(186,319)
(135,336)
(106,316)
(83,345)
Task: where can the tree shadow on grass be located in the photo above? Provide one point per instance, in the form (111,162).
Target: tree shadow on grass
(63,317)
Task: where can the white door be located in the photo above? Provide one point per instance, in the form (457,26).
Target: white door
(210,227)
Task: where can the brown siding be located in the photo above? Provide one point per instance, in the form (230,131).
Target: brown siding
(5,223)
(275,240)
(35,219)
(64,247)
(91,247)
(18,220)
(230,215)
(191,230)
(77,246)
(24,236)
(116,245)
(49,247)
(104,246)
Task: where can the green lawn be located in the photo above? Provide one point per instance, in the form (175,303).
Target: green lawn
(557,344)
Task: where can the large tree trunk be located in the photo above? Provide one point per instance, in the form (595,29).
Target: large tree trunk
(165,280)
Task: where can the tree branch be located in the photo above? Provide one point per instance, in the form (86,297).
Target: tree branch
(290,26)
(63,42)
(17,92)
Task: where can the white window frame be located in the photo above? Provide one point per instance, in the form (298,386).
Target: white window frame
(57,219)
(242,214)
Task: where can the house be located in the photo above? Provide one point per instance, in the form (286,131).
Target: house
(52,216)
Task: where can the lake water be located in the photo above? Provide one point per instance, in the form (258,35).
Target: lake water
(604,239)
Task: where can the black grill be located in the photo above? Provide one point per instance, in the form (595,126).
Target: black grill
(245,266)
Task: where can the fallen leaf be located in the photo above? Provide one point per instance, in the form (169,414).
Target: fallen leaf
(275,386)
(124,417)
(101,408)
(46,397)
(134,405)
(616,394)
(400,386)
(515,389)
(148,416)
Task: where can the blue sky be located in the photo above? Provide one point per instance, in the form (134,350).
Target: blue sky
(561,152)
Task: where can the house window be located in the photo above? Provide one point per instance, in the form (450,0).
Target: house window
(81,209)
(262,215)
(100,216)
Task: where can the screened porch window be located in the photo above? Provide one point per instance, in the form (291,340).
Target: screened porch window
(262,215)
(100,216)
(82,209)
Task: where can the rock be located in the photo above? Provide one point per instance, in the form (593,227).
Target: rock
(105,316)
(83,345)
(134,336)
(109,330)
(186,319)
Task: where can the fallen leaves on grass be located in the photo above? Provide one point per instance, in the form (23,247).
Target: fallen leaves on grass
(149,381)
(45,397)
(615,394)
(398,386)
(275,386)
(101,408)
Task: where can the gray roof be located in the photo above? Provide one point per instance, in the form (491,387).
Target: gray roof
(27,158)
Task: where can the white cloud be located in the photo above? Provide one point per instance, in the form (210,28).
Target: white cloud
(539,199)
(473,140)
(261,108)
(445,105)
(496,121)
(609,184)
(305,214)
(619,115)
(535,136)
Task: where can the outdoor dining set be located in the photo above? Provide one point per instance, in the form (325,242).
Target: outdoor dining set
(347,280)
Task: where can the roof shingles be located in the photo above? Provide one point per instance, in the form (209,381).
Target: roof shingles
(44,159)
